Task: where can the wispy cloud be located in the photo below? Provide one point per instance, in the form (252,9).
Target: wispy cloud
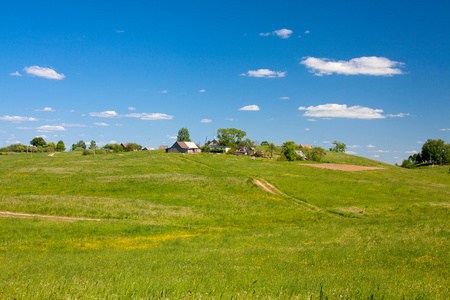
(206,121)
(149,116)
(351,152)
(411,152)
(202,91)
(131,108)
(46,109)
(104,114)
(163,92)
(73,125)
(311,120)
(445,129)
(16,73)
(101,124)
(376,156)
(50,128)
(307,32)
(250,107)
(332,110)
(120,31)
(373,65)
(172,137)
(44,72)
(353,146)
(284,98)
(370,146)
(17,119)
(400,115)
(307,129)
(231,119)
(264,73)
(282,33)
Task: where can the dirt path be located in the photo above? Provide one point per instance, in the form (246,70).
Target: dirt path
(338,167)
(8,214)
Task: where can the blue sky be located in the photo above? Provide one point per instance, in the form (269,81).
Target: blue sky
(372,74)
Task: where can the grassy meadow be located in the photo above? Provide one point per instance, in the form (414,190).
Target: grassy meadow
(172,226)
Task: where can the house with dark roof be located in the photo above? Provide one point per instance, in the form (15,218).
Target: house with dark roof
(183,147)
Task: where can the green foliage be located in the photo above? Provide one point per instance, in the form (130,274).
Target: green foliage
(289,151)
(232,150)
(183,135)
(271,148)
(14,148)
(264,143)
(116,148)
(38,141)
(230,136)
(247,143)
(217,150)
(60,147)
(93,145)
(338,147)
(205,148)
(52,145)
(433,151)
(133,147)
(93,152)
(81,144)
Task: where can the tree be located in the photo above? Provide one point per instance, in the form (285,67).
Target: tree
(264,143)
(247,143)
(51,145)
(113,148)
(183,135)
(338,147)
(289,151)
(133,147)
(433,151)
(93,145)
(230,136)
(81,144)
(38,141)
(60,147)
(271,148)
(317,153)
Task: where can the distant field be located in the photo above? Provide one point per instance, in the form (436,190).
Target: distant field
(197,226)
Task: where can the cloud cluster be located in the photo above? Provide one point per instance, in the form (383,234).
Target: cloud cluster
(332,110)
(44,72)
(373,65)
(104,114)
(149,116)
(282,33)
(17,119)
(264,73)
(250,107)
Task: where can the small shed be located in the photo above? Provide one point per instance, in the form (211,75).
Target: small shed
(183,147)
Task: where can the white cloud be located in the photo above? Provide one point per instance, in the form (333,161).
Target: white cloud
(231,119)
(264,73)
(307,129)
(411,152)
(101,124)
(326,142)
(400,115)
(307,32)
(445,129)
(163,92)
(376,66)
(312,120)
(104,114)
(16,73)
(44,72)
(419,142)
(73,125)
(131,108)
(284,98)
(376,156)
(353,146)
(250,107)
(370,146)
(149,116)
(206,121)
(172,137)
(120,31)
(283,33)
(380,151)
(332,110)
(45,109)
(351,152)
(202,91)
(16,119)
(50,128)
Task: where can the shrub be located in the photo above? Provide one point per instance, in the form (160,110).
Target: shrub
(217,150)
(91,152)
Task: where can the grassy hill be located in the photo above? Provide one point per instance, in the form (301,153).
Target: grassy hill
(198,226)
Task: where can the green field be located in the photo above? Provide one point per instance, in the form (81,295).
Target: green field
(177,226)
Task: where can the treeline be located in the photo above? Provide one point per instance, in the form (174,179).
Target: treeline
(433,152)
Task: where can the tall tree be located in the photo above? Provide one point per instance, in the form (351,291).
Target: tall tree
(81,144)
(289,151)
(93,145)
(183,135)
(60,147)
(271,148)
(230,136)
(38,141)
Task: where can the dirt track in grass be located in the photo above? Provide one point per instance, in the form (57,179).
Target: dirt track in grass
(22,215)
(338,167)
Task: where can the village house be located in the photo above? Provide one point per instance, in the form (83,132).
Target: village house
(215,145)
(183,147)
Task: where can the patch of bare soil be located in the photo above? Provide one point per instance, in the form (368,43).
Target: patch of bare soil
(22,215)
(338,167)
(266,186)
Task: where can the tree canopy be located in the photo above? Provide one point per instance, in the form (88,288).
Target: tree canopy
(289,151)
(60,147)
(38,141)
(338,147)
(433,151)
(183,135)
(230,136)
